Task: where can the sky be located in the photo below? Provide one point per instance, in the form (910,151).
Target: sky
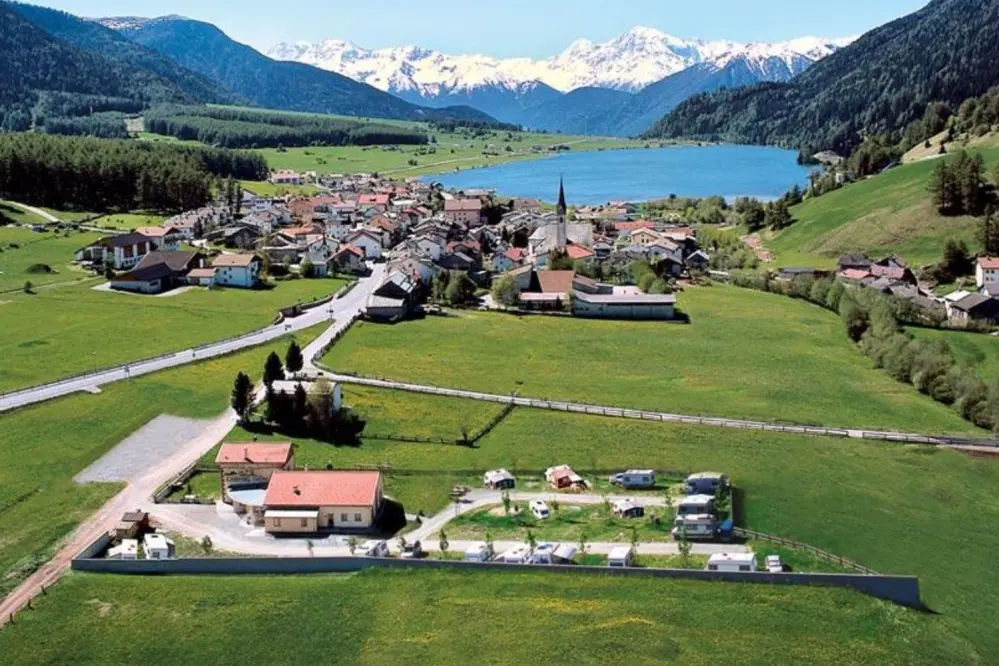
(507,28)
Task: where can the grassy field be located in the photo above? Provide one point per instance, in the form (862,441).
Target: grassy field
(50,249)
(975,349)
(889,213)
(391,617)
(453,151)
(20,216)
(745,354)
(60,332)
(272,190)
(128,221)
(42,447)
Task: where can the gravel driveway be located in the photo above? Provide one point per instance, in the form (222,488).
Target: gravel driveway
(143,449)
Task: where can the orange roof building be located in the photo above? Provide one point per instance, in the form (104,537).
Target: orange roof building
(305,502)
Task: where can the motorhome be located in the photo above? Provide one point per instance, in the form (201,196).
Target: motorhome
(634,479)
(732,562)
(695,505)
(695,526)
(480,552)
(620,557)
(516,555)
(707,483)
(548,553)
(499,479)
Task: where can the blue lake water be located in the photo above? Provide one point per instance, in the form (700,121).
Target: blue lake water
(641,174)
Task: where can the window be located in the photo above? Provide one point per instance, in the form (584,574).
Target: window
(357,517)
(344,518)
(305,522)
(277,522)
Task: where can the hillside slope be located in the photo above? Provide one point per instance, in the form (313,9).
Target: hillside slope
(203,48)
(95,38)
(883,81)
(31,60)
(888,213)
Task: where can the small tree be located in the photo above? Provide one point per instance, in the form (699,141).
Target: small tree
(683,545)
(488,539)
(293,360)
(242,396)
(307,269)
(443,543)
(352,544)
(633,542)
(28,287)
(273,370)
(507,502)
(583,541)
(310,547)
(532,541)
(555,506)
(505,291)
(206,544)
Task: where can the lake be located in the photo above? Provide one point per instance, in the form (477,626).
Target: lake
(641,174)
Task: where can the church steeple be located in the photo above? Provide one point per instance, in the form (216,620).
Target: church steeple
(561,237)
(562,208)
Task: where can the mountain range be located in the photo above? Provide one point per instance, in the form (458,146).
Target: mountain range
(879,84)
(560,93)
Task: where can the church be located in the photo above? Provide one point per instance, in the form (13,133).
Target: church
(554,237)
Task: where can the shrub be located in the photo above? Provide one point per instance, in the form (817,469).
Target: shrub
(855,318)
(835,296)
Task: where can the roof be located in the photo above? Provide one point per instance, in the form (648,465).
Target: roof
(155,232)
(199,273)
(254,453)
(633,226)
(559,282)
(322,488)
(351,249)
(742,558)
(254,497)
(697,499)
(855,274)
(972,302)
(989,263)
(462,206)
(122,240)
(235,260)
(515,254)
(706,476)
(629,299)
(619,553)
(576,252)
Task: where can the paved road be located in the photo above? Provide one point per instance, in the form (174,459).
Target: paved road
(342,310)
(964,443)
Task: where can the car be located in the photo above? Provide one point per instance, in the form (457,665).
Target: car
(540,510)
(774,565)
(412,551)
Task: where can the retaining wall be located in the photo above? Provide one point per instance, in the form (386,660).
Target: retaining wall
(902,590)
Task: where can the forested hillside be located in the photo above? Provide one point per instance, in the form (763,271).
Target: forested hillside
(31,61)
(205,49)
(948,51)
(98,174)
(95,38)
(248,128)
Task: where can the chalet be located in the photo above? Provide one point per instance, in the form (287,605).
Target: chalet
(238,237)
(698,261)
(349,259)
(122,252)
(973,307)
(166,239)
(286,177)
(237,270)
(158,272)
(986,271)
(854,261)
(304,502)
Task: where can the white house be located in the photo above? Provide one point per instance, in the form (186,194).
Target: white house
(430,246)
(123,252)
(367,241)
(237,270)
(157,547)
(986,271)
(289,388)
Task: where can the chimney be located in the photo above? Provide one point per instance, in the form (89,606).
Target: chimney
(296,490)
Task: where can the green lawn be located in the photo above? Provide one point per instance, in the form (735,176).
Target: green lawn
(449,617)
(262,189)
(60,332)
(128,221)
(42,447)
(51,249)
(20,216)
(889,213)
(597,523)
(746,354)
(975,349)
(452,151)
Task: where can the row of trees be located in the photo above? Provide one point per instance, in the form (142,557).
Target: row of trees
(453,288)
(244,128)
(106,125)
(959,185)
(97,174)
(874,321)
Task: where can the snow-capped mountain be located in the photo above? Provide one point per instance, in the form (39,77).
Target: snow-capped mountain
(634,60)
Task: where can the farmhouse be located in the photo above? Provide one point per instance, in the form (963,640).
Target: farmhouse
(986,271)
(306,502)
(252,464)
(122,252)
(237,270)
(332,390)
(158,272)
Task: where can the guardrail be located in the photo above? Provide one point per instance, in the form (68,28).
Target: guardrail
(663,417)
(832,558)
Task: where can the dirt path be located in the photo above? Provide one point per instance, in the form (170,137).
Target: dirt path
(755,243)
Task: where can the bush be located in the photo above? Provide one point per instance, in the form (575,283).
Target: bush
(854,318)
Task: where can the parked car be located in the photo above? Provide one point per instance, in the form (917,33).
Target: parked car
(634,479)
(375,549)
(412,551)
(725,531)
(539,510)
(774,565)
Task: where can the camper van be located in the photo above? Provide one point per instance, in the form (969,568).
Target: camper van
(517,555)
(620,557)
(634,479)
(732,562)
(548,553)
(480,552)
(695,505)
(695,526)
(707,483)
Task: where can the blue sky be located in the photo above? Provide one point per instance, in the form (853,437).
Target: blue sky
(535,28)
